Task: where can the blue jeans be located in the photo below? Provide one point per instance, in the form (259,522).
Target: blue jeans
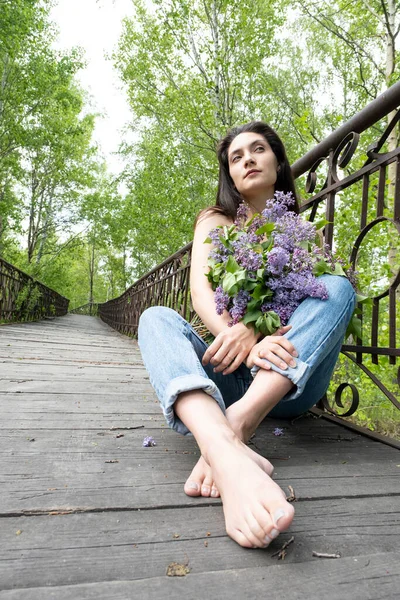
(172,353)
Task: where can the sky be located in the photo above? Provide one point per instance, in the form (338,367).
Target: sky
(95,26)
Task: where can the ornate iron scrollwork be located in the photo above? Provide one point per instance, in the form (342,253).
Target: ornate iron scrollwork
(338,400)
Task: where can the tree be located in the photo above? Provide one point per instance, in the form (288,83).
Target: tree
(192,69)
(24,29)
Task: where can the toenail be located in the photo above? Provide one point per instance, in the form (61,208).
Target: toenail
(279,514)
(274,533)
(267,539)
(214,493)
(193,486)
(205,489)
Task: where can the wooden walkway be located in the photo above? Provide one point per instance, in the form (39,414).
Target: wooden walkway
(88,513)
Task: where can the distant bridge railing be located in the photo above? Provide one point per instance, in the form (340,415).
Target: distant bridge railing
(22,298)
(90,308)
(372,190)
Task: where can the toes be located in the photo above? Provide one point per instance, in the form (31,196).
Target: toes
(207,484)
(214,491)
(281,513)
(192,488)
(195,479)
(200,482)
(259,528)
(240,538)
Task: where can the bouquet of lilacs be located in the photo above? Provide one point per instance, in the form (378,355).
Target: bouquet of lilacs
(262,268)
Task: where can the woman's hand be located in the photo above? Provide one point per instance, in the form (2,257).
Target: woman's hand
(276,348)
(230,348)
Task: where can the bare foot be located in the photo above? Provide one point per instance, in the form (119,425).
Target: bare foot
(201,483)
(255,507)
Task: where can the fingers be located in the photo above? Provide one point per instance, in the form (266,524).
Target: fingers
(281,341)
(211,350)
(234,365)
(278,356)
(260,362)
(282,330)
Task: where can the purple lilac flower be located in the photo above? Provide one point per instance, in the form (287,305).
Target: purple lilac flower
(220,256)
(291,230)
(238,309)
(273,210)
(219,253)
(241,215)
(248,259)
(221,300)
(301,260)
(284,311)
(290,290)
(244,255)
(256,223)
(278,431)
(277,206)
(149,441)
(277,259)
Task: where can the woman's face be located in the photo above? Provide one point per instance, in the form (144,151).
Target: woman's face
(252,166)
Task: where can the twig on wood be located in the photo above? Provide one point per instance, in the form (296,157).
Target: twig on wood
(123,428)
(282,552)
(323,555)
(292,497)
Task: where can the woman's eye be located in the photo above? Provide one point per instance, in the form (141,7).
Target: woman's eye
(235,157)
(260,148)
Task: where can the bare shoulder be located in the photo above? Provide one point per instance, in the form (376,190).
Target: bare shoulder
(208,220)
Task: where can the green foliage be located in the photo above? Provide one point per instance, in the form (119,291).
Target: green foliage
(27,302)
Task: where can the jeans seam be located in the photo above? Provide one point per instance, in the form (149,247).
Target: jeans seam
(338,322)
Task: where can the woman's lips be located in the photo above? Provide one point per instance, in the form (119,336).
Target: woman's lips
(251,171)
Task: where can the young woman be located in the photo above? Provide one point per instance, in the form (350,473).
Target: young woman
(209,391)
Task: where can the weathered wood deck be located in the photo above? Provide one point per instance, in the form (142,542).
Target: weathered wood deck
(87,512)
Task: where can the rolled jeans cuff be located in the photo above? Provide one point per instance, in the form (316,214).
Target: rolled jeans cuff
(298,375)
(187,383)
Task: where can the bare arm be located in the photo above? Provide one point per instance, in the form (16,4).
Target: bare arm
(232,344)
(201,290)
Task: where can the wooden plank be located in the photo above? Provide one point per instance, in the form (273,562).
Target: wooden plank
(86,481)
(140,544)
(367,577)
(66,386)
(43,372)
(63,389)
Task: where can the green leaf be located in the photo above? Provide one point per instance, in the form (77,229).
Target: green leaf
(338,270)
(322,267)
(266,228)
(231,265)
(229,283)
(251,316)
(321,223)
(354,328)
(360,299)
(259,291)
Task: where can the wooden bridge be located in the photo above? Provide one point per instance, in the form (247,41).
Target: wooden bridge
(88,513)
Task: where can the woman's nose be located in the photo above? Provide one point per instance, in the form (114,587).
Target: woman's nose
(248,159)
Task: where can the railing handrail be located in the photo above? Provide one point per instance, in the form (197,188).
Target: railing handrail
(24,298)
(157,267)
(14,268)
(373,112)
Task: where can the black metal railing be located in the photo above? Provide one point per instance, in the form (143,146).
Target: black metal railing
(363,184)
(22,298)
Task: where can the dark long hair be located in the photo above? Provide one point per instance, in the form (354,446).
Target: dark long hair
(228,197)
